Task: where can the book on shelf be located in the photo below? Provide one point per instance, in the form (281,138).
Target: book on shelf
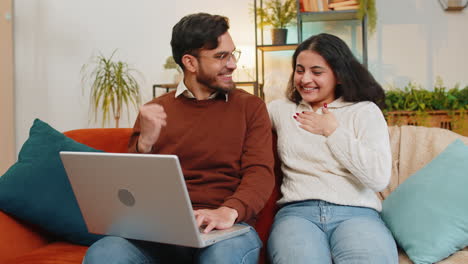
(344,3)
(305,5)
(348,7)
(329,2)
(315,5)
(310,5)
(322,5)
(319,5)
(325,5)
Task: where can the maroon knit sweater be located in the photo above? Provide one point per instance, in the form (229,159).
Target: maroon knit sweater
(224,148)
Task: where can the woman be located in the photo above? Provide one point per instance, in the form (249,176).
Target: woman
(334,145)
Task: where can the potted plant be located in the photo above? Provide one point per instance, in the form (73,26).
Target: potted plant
(113,87)
(278,14)
(442,107)
(367,9)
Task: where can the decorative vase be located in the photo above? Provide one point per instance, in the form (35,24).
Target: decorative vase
(278,36)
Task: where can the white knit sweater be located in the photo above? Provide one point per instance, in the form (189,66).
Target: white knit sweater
(346,168)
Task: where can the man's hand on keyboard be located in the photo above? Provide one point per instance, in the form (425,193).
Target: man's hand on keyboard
(221,218)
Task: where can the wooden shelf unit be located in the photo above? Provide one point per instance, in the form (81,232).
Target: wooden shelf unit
(302,17)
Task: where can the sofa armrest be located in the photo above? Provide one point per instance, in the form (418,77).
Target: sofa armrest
(17,238)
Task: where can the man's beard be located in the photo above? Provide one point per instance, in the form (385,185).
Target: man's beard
(211,83)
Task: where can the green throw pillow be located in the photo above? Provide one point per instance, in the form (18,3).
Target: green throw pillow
(36,188)
(428,213)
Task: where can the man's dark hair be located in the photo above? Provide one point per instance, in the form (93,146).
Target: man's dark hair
(196,31)
(356,82)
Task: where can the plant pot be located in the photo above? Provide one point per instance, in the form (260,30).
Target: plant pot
(278,36)
(456,120)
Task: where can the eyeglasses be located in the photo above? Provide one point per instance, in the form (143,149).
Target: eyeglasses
(224,57)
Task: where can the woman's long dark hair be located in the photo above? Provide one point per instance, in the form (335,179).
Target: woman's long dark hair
(356,82)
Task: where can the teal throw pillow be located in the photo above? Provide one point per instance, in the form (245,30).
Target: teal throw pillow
(36,188)
(428,213)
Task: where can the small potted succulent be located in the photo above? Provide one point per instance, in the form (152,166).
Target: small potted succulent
(278,14)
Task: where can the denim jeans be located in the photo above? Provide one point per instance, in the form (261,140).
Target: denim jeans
(244,248)
(319,232)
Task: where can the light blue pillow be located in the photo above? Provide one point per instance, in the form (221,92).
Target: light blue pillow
(36,188)
(428,213)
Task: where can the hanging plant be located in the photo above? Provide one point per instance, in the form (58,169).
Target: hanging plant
(367,8)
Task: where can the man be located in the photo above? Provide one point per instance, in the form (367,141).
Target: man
(222,137)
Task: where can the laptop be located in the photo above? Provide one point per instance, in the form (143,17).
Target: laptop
(137,196)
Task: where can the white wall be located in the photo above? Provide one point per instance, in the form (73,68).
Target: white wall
(415,41)
(54,38)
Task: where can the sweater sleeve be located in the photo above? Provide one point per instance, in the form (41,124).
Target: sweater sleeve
(131,147)
(134,137)
(256,167)
(365,152)
(271,108)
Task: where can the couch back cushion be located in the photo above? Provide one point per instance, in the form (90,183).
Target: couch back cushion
(106,139)
(419,145)
(412,148)
(394,132)
(17,238)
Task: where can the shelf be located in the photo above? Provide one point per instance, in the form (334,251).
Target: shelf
(246,83)
(302,18)
(277,47)
(329,15)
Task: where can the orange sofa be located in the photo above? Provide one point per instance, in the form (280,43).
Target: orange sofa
(412,148)
(21,243)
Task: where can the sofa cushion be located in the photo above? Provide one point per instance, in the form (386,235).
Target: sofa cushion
(24,237)
(54,253)
(427,213)
(36,188)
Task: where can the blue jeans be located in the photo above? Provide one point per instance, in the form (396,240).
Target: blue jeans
(244,248)
(319,232)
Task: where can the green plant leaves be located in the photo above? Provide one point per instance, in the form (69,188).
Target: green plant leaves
(112,87)
(413,98)
(277,13)
(368,8)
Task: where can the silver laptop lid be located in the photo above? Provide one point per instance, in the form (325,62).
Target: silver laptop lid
(137,196)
